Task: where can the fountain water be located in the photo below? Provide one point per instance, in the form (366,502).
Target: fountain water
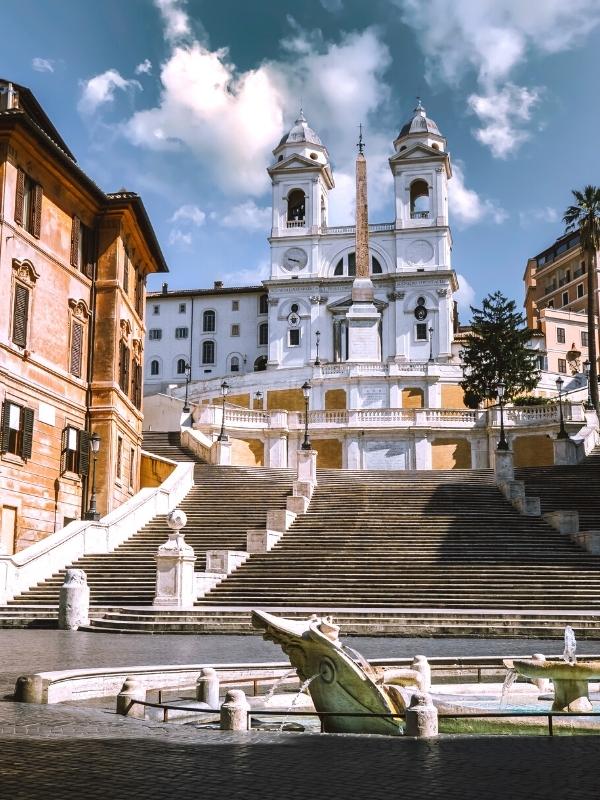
(570,646)
(303,687)
(270,694)
(511,677)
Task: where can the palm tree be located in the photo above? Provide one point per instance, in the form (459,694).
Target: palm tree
(585,217)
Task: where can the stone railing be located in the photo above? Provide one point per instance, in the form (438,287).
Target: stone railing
(351,229)
(533,416)
(197,443)
(344,368)
(28,567)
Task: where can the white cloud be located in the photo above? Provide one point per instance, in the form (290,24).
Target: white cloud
(231,120)
(177,23)
(546,214)
(145,68)
(502,114)
(248,216)
(467,206)
(492,38)
(189,213)
(100,90)
(43,64)
(465,296)
(180,239)
(247,277)
(332,5)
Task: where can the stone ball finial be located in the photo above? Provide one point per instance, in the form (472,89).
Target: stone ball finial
(176,519)
(75,577)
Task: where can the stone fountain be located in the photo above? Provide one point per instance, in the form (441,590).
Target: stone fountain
(338,678)
(570,677)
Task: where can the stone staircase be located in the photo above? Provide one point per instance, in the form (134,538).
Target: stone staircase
(443,540)
(168,445)
(574,487)
(222,505)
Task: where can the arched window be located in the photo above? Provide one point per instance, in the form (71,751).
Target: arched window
(260,364)
(263,333)
(347,265)
(419,200)
(296,206)
(181,366)
(234,364)
(208,321)
(208,352)
(154,367)
(263,304)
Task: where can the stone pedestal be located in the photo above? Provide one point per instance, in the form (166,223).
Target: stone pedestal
(224,561)
(307,466)
(563,521)
(132,690)
(261,540)
(207,688)
(363,324)
(504,466)
(221,454)
(421,665)
(234,716)
(421,717)
(74,601)
(175,567)
(565,451)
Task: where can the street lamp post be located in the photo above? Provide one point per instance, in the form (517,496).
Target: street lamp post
(562,434)
(431,344)
(92,512)
(188,377)
(306,388)
(501,390)
(317,338)
(222,437)
(258,396)
(586,369)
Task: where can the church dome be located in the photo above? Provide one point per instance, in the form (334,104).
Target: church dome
(419,124)
(301,132)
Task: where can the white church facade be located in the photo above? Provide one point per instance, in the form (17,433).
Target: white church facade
(366,317)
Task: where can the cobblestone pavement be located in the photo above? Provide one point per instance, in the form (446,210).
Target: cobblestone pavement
(48,752)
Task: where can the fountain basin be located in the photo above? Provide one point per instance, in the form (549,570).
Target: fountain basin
(571,689)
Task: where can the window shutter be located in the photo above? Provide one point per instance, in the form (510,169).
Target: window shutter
(84,452)
(139,378)
(20,315)
(75,236)
(64,438)
(27,433)
(121,363)
(20,197)
(76,349)
(4,429)
(126,386)
(37,211)
(89,253)
(126,274)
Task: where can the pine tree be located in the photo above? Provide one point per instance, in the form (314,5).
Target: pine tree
(497,350)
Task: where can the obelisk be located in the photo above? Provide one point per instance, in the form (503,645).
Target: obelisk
(363,317)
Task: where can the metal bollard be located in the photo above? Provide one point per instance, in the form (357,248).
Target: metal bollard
(234,711)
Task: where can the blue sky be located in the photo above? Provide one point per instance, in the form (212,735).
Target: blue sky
(184,101)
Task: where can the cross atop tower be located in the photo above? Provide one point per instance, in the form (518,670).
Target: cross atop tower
(360,143)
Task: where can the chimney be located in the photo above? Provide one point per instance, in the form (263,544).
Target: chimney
(165,288)
(218,284)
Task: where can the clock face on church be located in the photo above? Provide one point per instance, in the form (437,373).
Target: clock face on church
(295,259)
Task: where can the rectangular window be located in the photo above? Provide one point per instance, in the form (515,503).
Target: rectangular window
(136,384)
(82,254)
(263,304)
(208,352)
(119,464)
(28,204)
(155,334)
(16,430)
(131,468)
(294,337)
(126,272)
(20,315)
(156,309)
(584,339)
(560,335)
(139,293)
(235,305)
(182,308)
(562,365)
(181,333)
(421,331)
(75,451)
(565,298)
(76,349)
(235,330)
(580,290)
(123,366)
(550,303)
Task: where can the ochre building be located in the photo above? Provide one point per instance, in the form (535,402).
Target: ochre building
(73,267)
